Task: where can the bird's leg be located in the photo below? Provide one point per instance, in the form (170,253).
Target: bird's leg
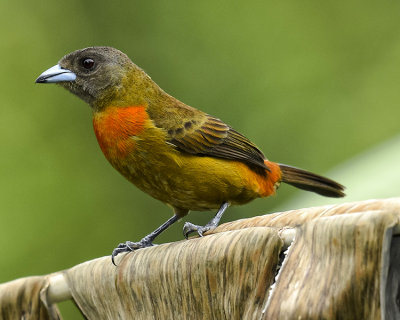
(147,241)
(190,227)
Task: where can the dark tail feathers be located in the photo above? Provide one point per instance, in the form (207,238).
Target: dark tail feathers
(311,182)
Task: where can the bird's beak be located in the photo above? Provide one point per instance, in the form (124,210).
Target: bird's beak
(56,74)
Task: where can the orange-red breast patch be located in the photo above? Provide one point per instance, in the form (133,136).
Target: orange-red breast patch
(115,128)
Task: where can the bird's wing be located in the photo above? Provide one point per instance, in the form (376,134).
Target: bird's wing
(198,133)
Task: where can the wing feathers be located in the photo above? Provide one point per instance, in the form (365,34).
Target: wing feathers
(212,137)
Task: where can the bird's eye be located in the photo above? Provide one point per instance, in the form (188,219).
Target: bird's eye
(87,63)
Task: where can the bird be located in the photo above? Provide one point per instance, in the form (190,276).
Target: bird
(184,157)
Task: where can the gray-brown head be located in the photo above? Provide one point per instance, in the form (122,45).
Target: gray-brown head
(94,74)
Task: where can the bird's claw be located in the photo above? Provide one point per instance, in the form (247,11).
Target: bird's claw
(190,227)
(129,246)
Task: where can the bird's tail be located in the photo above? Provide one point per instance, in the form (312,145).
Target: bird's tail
(311,182)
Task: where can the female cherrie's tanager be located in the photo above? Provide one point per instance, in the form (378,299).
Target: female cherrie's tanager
(179,155)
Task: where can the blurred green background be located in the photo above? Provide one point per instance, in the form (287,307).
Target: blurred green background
(314,84)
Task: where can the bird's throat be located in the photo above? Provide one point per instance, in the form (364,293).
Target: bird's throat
(117,127)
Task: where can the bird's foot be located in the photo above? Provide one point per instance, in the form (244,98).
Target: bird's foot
(129,246)
(190,227)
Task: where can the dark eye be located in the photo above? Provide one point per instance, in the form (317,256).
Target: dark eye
(87,63)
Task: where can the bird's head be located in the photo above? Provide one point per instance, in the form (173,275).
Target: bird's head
(99,76)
